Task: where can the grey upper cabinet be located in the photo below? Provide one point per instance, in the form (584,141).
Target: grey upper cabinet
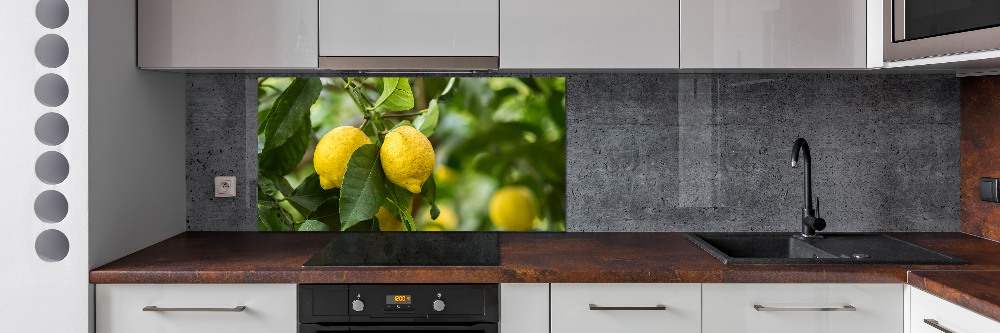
(780,34)
(224,34)
(585,34)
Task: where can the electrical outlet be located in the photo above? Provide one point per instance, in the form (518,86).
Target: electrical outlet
(225,186)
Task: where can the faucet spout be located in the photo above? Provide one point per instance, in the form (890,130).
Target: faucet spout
(810,222)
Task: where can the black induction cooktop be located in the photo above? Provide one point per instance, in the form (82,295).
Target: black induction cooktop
(406,248)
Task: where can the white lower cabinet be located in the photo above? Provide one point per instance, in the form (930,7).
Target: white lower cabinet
(802,308)
(626,307)
(524,308)
(930,314)
(196,308)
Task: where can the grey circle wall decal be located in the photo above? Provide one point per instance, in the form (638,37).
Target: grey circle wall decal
(51,206)
(51,51)
(52,167)
(51,90)
(52,245)
(51,129)
(52,13)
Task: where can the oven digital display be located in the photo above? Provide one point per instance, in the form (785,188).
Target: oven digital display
(397,299)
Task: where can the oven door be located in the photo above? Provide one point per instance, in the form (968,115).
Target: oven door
(472,328)
(927,28)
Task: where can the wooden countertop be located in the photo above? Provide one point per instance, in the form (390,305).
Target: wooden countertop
(262,257)
(978,291)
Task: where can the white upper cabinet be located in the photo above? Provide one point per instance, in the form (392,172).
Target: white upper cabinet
(581,34)
(779,33)
(227,34)
(407,28)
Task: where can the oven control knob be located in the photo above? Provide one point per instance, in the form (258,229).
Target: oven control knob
(438,305)
(358,305)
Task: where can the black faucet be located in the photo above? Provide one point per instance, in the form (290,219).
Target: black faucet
(810,222)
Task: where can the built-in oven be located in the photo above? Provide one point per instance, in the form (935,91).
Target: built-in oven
(927,28)
(388,308)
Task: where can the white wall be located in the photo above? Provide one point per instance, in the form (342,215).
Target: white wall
(137,184)
(126,133)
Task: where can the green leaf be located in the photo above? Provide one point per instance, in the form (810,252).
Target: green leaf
(427,122)
(396,95)
(310,195)
(283,159)
(290,110)
(401,124)
(273,184)
(314,225)
(329,213)
(366,225)
(429,192)
(363,190)
(397,196)
(272,218)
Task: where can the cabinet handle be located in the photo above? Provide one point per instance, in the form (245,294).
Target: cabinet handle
(630,308)
(935,324)
(759,307)
(233,309)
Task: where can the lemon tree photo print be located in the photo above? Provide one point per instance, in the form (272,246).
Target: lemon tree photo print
(411,154)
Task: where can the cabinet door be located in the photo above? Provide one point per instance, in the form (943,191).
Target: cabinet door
(773,34)
(802,308)
(951,317)
(575,34)
(409,28)
(626,307)
(227,34)
(268,308)
(524,308)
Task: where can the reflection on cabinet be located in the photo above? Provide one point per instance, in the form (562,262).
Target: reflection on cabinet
(802,308)
(626,307)
(225,34)
(404,28)
(775,34)
(196,308)
(589,34)
(930,314)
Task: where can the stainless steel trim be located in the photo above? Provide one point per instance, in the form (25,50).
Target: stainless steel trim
(759,307)
(628,308)
(963,42)
(934,323)
(158,309)
(409,63)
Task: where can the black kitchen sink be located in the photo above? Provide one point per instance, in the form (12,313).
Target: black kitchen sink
(789,248)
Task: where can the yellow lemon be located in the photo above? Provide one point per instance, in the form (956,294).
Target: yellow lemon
(407,158)
(388,222)
(332,153)
(513,208)
(447,219)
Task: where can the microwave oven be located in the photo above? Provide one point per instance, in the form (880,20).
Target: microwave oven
(915,29)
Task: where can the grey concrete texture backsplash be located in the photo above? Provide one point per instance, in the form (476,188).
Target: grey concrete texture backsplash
(683,152)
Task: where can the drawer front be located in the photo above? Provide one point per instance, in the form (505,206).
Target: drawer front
(572,311)
(407,28)
(730,308)
(949,316)
(269,308)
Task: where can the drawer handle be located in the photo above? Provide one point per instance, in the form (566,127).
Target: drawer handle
(233,309)
(629,308)
(759,307)
(935,324)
